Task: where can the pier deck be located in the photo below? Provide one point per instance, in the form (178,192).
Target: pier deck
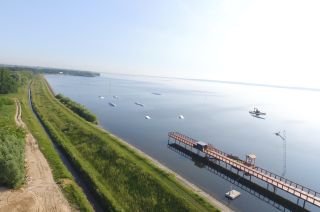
(303,193)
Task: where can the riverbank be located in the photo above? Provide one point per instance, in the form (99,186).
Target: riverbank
(182,180)
(122,178)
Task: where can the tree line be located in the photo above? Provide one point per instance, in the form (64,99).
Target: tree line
(10,81)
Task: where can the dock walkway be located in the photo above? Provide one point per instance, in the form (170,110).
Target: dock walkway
(302,192)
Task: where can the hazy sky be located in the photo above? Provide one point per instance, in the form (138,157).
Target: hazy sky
(270,41)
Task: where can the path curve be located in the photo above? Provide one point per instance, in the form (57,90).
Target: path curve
(40,192)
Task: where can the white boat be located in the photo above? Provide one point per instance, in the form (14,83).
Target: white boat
(181,117)
(147,117)
(101,97)
(112,104)
(233,194)
(137,103)
(115,97)
(257,112)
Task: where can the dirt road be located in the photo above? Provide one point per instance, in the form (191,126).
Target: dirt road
(40,192)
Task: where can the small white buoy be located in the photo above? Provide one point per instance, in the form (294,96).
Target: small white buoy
(147,117)
(181,117)
(233,194)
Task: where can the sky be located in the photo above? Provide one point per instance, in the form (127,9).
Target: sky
(271,42)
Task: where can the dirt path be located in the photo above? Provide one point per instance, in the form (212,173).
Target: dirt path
(40,193)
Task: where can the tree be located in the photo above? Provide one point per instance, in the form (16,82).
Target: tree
(9,81)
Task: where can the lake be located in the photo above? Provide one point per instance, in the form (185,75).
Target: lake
(216,113)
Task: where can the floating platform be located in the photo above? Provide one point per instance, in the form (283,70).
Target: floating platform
(233,194)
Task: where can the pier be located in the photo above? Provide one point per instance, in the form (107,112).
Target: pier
(248,168)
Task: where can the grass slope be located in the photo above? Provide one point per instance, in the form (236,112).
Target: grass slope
(61,175)
(123,179)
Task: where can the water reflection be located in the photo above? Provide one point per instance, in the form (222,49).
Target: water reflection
(236,179)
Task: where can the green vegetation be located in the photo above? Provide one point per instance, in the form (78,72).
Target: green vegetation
(9,81)
(122,178)
(12,152)
(61,175)
(12,170)
(40,70)
(77,108)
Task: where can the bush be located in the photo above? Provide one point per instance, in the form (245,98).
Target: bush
(12,159)
(77,108)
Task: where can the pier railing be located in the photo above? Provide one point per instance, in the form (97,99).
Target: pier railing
(277,181)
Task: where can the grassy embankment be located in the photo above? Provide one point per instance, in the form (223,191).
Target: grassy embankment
(61,175)
(77,108)
(12,145)
(123,179)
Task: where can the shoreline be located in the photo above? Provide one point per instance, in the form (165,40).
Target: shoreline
(194,188)
(184,182)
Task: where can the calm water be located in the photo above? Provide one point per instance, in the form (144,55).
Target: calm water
(215,113)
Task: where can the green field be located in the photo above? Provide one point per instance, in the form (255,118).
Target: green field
(123,179)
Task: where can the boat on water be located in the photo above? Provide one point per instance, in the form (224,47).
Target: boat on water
(112,104)
(139,104)
(147,117)
(257,112)
(158,94)
(101,97)
(115,97)
(181,117)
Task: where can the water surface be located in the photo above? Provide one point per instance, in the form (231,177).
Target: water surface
(216,113)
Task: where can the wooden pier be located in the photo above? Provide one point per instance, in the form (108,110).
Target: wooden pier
(249,168)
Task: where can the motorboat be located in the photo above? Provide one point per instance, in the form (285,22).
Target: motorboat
(115,97)
(112,104)
(181,117)
(101,97)
(137,103)
(257,112)
(147,117)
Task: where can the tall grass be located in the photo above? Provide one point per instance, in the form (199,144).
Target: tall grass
(12,146)
(61,175)
(121,178)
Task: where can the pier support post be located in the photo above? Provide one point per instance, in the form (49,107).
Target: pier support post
(304,203)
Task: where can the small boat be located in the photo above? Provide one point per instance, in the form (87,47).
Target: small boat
(101,97)
(257,112)
(137,103)
(115,97)
(158,94)
(147,117)
(233,194)
(181,117)
(112,104)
